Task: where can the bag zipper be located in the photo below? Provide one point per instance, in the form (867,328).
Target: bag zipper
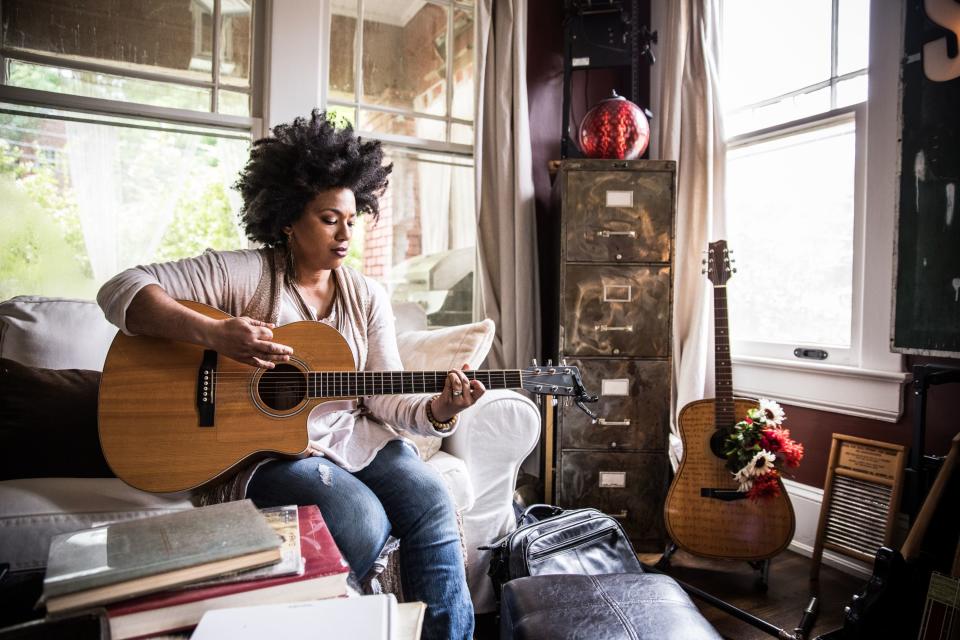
(574,542)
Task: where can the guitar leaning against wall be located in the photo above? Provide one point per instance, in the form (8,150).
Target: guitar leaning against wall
(705,512)
(173,416)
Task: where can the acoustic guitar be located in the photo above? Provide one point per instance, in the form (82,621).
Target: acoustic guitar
(705,512)
(174,416)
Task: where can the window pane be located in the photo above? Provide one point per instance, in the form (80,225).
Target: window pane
(172,36)
(234,103)
(80,201)
(343,34)
(235,42)
(461,134)
(853,38)
(423,248)
(852,91)
(463,68)
(774,47)
(405,54)
(790,218)
(108,87)
(786,110)
(401,125)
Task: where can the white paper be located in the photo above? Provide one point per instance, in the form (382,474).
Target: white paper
(619,198)
(359,618)
(613,479)
(615,387)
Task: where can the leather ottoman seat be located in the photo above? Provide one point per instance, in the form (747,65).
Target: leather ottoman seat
(634,606)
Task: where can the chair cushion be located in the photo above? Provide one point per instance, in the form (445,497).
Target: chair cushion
(456,477)
(48,423)
(34,510)
(442,350)
(635,606)
(55,333)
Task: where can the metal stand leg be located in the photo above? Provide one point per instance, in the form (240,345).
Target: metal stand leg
(763,566)
(664,561)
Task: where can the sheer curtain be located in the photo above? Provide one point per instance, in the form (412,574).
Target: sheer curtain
(508,288)
(690,131)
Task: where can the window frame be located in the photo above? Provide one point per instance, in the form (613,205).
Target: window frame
(102,106)
(871,384)
(357,103)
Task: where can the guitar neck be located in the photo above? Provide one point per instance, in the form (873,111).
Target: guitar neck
(723,370)
(340,384)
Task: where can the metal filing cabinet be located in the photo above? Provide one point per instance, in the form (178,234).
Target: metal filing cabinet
(616,279)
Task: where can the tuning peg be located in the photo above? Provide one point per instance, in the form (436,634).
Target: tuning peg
(533,362)
(549,362)
(734,270)
(703,271)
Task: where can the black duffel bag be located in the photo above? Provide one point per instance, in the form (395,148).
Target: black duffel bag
(549,540)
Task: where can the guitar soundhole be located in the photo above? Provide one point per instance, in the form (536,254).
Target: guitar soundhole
(282,388)
(716,443)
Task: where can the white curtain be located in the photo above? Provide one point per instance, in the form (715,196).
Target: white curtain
(508,288)
(690,131)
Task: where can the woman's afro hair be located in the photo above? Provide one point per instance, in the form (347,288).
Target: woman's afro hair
(301,159)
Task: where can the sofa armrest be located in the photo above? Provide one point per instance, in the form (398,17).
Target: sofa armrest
(493,439)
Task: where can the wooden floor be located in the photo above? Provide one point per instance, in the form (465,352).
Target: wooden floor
(782,604)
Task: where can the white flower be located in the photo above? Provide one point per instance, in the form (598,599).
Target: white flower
(771,412)
(762,463)
(744,477)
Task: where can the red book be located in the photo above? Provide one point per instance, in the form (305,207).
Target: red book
(324,576)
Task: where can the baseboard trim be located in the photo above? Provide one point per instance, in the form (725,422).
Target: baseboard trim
(806,506)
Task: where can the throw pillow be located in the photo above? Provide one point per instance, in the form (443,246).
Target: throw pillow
(48,423)
(442,350)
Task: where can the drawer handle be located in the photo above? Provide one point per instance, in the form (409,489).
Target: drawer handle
(604,327)
(607,234)
(612,423)
(620,515)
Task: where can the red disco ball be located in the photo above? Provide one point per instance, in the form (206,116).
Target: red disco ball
(615,128)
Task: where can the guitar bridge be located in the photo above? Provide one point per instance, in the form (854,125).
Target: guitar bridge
(727,495)
(205,388)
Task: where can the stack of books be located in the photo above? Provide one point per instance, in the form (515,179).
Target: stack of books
(160,575)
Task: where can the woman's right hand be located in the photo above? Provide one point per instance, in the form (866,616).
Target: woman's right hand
(248,341)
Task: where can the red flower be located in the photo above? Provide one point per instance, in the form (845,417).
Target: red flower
(765,486)
(792,453)
(774,439)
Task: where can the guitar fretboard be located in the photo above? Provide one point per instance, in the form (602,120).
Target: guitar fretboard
(723,371)
(336,384)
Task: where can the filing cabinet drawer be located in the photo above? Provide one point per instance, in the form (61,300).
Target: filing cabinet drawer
(633,411)
(618,216)
(629,486)
(616,310)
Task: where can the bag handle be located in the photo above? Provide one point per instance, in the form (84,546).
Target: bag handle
(534,513)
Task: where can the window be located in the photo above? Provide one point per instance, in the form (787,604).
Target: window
(406,77)
(122,127)
(795,104)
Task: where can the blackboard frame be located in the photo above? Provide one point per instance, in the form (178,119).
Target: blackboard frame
(926,308)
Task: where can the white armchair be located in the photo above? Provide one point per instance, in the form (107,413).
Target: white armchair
(480,462)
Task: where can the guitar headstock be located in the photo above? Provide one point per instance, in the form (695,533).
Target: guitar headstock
(554,380)
(718,265)
(558,380)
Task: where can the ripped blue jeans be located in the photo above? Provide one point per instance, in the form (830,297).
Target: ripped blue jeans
(396,493)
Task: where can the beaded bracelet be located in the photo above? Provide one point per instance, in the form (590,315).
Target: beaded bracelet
(440,426)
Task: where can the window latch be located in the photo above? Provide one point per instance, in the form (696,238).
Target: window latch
(810,354)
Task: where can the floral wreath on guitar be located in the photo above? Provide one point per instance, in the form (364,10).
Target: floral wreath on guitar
(758,448)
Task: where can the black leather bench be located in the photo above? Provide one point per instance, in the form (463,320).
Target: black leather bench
(632,606)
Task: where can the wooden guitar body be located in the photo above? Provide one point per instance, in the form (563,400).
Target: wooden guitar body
(739,529)
(148,415)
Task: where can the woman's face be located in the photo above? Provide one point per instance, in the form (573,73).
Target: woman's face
(320,238)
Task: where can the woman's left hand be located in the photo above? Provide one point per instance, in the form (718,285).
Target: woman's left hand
(459,392)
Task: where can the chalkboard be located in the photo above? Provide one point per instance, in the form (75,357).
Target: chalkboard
(927,296)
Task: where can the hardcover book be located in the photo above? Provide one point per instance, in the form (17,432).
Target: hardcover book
(285,522)
(324,576)
(125,559)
